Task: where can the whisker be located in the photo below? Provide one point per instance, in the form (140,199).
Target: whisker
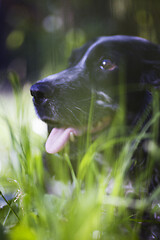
(74,115)
(84,99)
(79,109)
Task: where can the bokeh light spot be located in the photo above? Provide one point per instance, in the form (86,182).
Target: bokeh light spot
(15,39)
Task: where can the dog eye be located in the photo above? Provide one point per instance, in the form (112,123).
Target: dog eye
(106,64)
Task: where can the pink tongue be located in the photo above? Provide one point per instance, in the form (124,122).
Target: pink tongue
(58,139)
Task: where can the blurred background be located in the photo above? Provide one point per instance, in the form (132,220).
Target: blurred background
(38,36)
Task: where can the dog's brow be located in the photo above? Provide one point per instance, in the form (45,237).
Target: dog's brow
(100,40)
(109,38)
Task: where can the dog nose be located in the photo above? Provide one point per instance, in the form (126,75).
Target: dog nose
(41,90)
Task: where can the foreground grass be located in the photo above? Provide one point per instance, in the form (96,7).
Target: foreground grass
(87,201)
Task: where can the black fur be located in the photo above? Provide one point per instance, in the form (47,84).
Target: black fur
(63,99)
(98,69)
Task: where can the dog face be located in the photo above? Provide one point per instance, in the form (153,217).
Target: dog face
(96,73)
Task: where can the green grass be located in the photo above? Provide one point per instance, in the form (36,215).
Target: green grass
(72,203)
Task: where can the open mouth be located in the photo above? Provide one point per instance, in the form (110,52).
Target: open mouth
(59,136)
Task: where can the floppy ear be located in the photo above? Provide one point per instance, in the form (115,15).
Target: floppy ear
(151,76)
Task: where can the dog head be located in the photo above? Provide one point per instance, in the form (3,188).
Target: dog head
(96,73)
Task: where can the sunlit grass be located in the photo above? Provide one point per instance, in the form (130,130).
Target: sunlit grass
(94,200)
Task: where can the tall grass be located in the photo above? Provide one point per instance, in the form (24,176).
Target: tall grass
(94,199)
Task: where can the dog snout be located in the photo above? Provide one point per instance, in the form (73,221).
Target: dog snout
(41,91)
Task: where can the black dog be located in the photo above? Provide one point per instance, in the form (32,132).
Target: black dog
(101,73)
(98,69)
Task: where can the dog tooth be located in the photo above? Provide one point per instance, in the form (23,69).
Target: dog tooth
(72,138)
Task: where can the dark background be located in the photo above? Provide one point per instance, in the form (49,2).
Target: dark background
(38,36)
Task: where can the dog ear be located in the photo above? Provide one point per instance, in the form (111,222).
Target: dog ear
(151,75)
